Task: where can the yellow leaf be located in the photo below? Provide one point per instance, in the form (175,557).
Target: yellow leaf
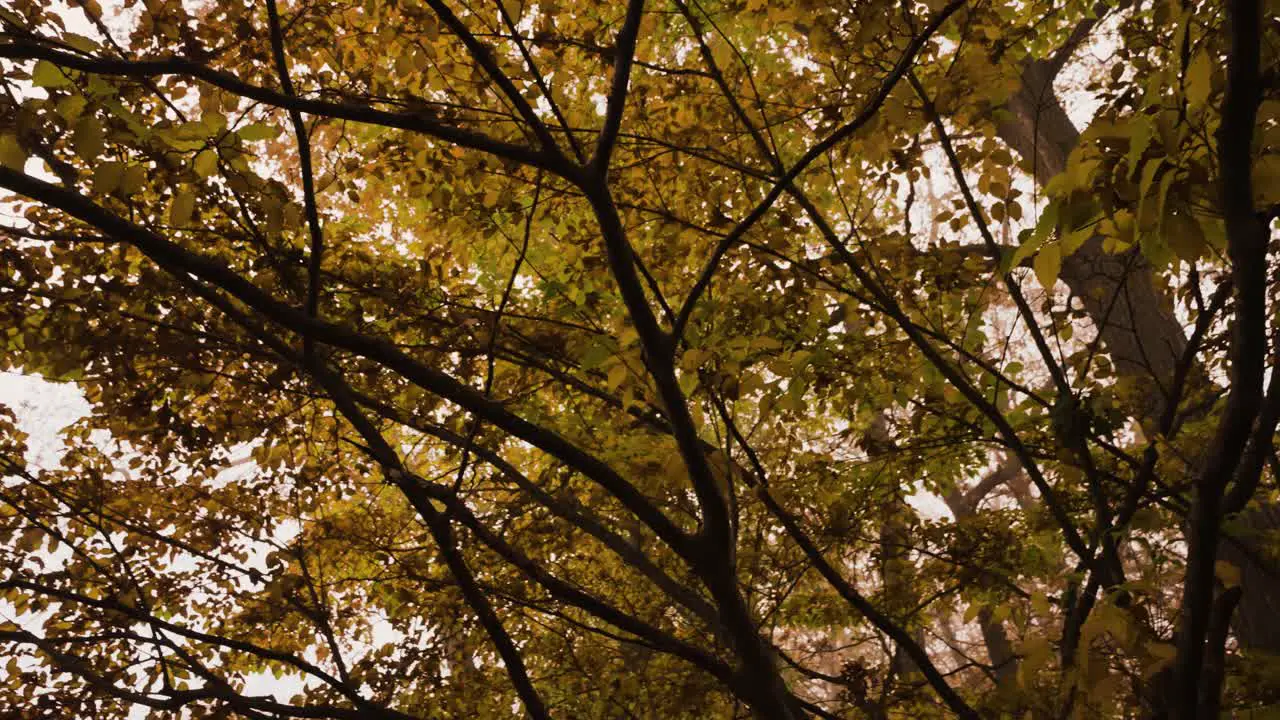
(1040,604)
(1199,80)
(12,155)
(258,131)
(80,42)
(134,178)
(48,75)
(404,64)
(206,163)
(693,359)
(88,138)
(71,107)
(1048,264)
(1035,238)
(616,376)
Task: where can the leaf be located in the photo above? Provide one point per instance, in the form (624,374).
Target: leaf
(617,375)
(1162,197)
(30,539)
(1185,237)
(106,177)
(274,215)
(71,107)
(181,207)
(258,131)
(1266,179)
(48,75)
(1036,237)
(574,438)
(12,155)
(88,138)
(688,382)
(1161,654)
(1198,83)
(135,176)
(206,163)
(1139,139)
(80,42)
(1146,218)
(1048,264)
(1036,655)
(694,358)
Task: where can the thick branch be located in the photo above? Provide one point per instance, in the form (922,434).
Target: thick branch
(405,120)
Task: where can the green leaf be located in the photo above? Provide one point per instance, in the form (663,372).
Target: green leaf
(1162,197)
(48,75)
(1155,249)
(1185,236)
(206,163)
(617,375)
(1146,219)
(1227,573)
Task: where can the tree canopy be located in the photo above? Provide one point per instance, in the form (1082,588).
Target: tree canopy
(666,359)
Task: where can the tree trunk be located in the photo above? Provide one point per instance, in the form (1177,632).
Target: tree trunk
(964,505)
(1138,328)
(896,569)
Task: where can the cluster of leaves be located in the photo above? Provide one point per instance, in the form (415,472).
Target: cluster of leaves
(693,358)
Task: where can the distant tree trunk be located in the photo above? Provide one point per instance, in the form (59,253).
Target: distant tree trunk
(964,505)
(897,574)
(1138,328)
(896,570)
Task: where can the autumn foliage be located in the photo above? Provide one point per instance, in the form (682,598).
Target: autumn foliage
(666,359)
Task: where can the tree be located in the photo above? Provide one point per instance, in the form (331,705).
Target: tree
(589,359)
